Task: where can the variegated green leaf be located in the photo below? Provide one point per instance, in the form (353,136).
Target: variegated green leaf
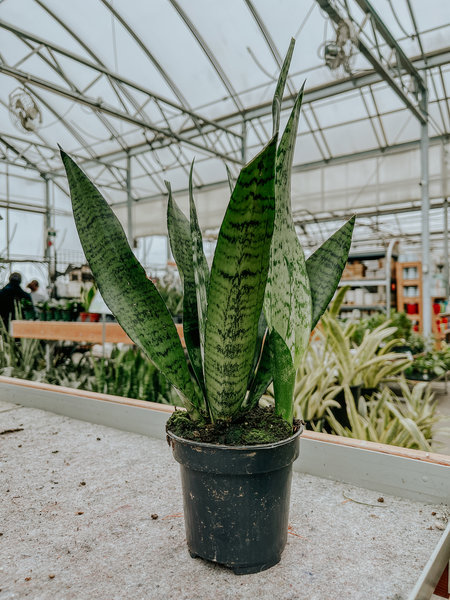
(287,305)
(262,379)
(122,281)
(283,376)
(237,283)
(179,230)
(325,267)
(200,265)
(279,91)
(261,372)
(262,331)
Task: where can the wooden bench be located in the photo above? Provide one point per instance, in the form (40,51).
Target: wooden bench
(94,333)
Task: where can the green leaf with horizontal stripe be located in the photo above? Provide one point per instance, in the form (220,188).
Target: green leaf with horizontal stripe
(124,285)
(325,267)
(237,283)
(180,238)
(287,304)
(201,269)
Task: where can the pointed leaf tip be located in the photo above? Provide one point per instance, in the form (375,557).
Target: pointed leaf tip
(325,267)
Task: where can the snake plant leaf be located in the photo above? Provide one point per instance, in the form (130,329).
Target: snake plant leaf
(123,283)
(287,304)
(283,376)
(325,267)
(262,331)
(180,238)
(200,265)
(263,377)
(279,91)
(237,283)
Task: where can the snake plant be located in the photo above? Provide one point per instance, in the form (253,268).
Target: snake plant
(248,320)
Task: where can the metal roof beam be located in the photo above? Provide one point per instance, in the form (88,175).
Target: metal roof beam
(209,53)
(334,88)
(393,208)
(200,120)
(345,158)
(385,70)
(30,164)
(96,105)
(321,92)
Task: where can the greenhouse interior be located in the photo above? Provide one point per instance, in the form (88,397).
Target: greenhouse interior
(224,226)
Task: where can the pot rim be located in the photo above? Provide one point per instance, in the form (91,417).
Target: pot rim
(226,447)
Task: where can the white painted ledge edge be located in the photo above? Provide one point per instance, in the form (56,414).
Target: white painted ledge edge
(412,474)
(416,475)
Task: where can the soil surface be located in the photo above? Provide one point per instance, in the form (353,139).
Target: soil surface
(260,426)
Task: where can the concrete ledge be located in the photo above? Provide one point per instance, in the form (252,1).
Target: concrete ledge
(410,474)
(94,512)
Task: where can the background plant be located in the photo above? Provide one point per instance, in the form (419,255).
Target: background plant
(403,330)
(87,295)
(172,297)
(128,373)
(406,420)
(368,363)
(430,365)
(19,359)
(125,373)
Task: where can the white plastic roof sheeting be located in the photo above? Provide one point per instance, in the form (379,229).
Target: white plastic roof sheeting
(165,81)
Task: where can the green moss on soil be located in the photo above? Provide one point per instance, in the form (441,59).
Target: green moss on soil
(260,426)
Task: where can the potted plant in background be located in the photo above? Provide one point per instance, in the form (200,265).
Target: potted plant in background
(246,323)
(87,295)
(28,311)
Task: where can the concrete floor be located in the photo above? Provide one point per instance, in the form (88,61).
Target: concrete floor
(90,512)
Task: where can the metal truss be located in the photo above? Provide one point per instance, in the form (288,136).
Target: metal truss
(253,114)
(179,126)
(379,47)
(205,135)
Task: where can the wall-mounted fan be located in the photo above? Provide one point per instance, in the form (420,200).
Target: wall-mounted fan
(340,54)
(24,112)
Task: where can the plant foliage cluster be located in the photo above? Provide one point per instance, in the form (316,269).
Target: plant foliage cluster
(125,373)
(247,321)
(338,375)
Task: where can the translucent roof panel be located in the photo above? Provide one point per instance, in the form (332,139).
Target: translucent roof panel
(152,85)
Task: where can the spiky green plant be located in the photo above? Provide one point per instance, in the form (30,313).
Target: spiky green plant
(247,322)
(368,363)
(406,420)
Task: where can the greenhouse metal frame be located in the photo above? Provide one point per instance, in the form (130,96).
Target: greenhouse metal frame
(374,129)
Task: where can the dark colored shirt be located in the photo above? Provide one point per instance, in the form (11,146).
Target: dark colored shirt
(11,293)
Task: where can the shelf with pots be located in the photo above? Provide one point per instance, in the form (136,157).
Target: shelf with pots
(409,298)
(370,275)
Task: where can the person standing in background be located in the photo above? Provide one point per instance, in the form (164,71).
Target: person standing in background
(36,294)
(9,295)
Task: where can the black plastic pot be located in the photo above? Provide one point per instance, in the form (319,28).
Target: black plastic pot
(236,500)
